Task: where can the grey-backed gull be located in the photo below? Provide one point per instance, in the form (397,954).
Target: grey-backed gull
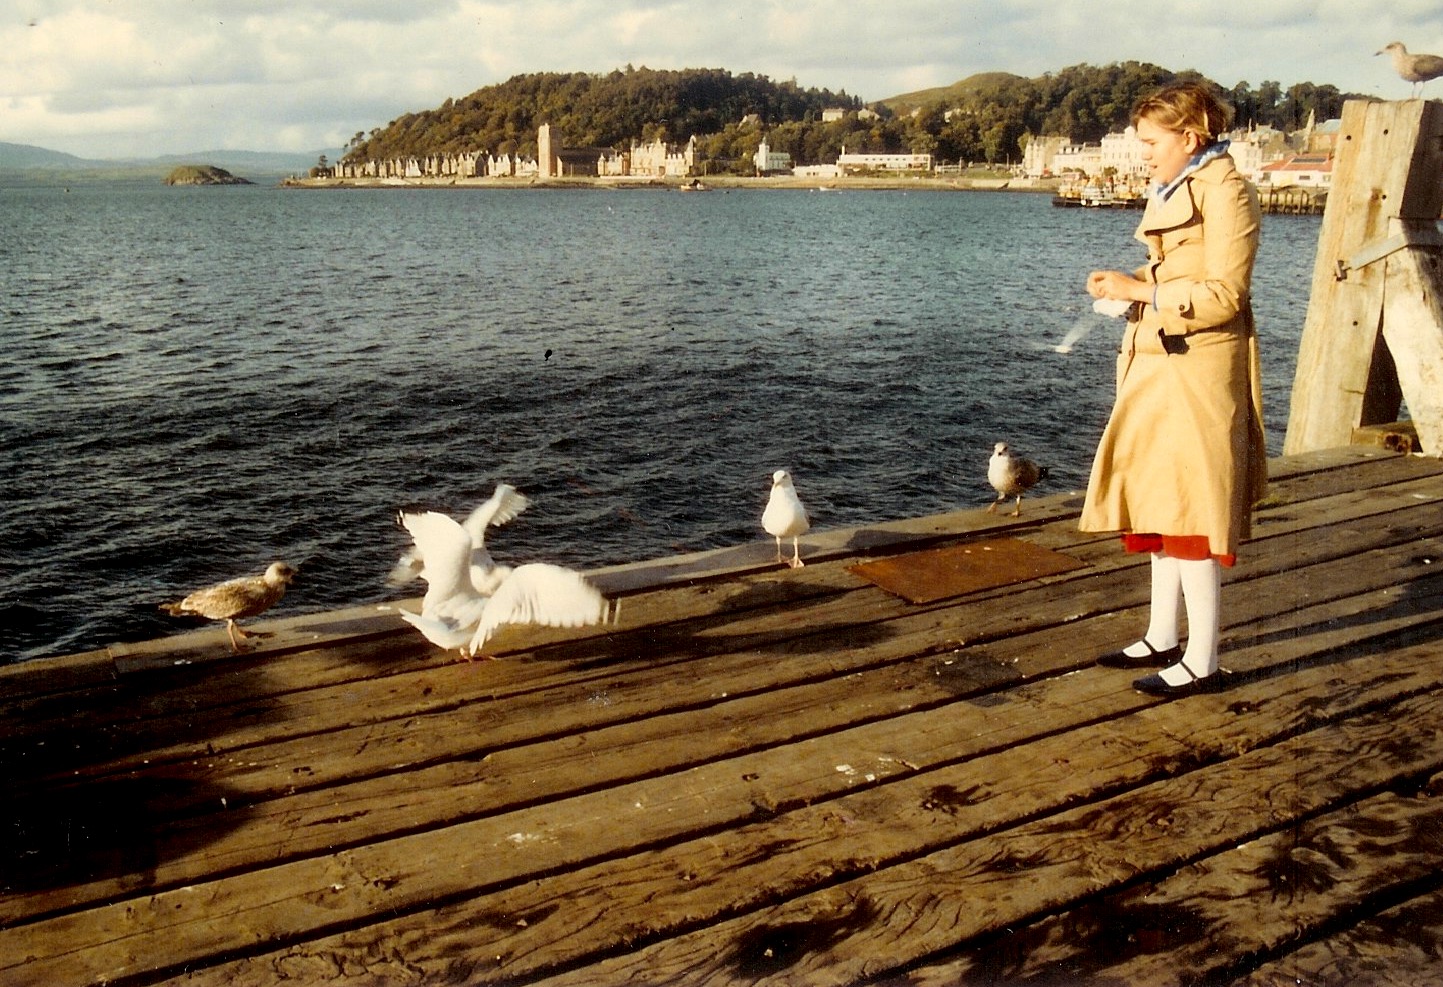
(1011,476)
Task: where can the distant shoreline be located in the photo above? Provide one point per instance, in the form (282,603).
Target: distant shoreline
(712,183)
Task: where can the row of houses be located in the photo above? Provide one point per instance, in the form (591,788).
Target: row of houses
(652,159)
(470,164)
(1264,156)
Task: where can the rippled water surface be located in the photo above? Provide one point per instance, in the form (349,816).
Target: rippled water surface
(197,381)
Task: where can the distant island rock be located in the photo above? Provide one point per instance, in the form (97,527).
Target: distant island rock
(203,175)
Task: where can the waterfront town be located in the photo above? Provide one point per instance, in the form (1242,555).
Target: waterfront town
(1109,172)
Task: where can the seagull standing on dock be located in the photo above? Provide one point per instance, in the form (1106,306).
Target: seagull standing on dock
(1011,476)
(236,599)
(505,503)
(785,517)
(1416,69)
(454,614)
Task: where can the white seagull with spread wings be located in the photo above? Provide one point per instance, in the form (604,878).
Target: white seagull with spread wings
(502,506)
(454,614)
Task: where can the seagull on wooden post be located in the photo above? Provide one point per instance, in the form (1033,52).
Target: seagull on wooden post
(1416,69)
(1011,476)
(235,599)
(785,517)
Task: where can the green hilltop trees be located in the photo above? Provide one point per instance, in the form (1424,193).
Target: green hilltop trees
(987,117)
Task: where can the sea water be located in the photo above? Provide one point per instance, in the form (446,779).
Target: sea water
(197,381)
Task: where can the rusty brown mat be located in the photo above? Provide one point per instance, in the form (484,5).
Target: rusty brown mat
(936,574)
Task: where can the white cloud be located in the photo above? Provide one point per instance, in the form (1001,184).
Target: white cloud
(112,79)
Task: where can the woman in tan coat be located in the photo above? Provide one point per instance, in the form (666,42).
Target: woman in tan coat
(1182,459)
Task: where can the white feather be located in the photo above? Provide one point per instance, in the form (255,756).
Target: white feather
(454,614)
(544,594)
(504,504)
(443,634)
(444,544)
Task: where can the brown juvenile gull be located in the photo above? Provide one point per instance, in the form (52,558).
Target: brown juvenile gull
(785,517)
(1011,476)
(234,599)
(1416,69)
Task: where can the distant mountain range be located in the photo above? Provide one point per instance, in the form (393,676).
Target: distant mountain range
(24,160)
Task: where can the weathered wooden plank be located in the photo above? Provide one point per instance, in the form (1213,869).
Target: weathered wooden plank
(1413,330)
(1224,914)
(471,731)
(1401,946)
(758,711)
(208,698)
(666,891)
(395,862)
(1056,625)
(890,919)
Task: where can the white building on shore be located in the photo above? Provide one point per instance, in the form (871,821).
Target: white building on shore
(769,162)
(1119,156)
(883,162)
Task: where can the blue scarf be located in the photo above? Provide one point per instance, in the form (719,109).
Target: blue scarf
(1214,150)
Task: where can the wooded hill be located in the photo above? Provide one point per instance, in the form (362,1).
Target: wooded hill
(986,117)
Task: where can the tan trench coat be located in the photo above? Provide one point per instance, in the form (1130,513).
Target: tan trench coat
(1183,452)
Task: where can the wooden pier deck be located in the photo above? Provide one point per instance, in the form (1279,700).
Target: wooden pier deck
(770,776)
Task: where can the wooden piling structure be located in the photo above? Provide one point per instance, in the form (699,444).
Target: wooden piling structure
(1373,337)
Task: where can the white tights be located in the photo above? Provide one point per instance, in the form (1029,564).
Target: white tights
(1198,585)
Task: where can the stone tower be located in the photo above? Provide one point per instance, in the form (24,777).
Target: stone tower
(545,160)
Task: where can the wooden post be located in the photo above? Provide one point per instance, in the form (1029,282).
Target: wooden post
(1373,336)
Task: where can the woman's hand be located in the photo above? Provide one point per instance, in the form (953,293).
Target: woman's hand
(1116,284)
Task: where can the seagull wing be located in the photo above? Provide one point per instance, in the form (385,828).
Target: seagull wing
(407,568)
(540,593)
(1027,473)
(505,504)
(245,596)
(446,547)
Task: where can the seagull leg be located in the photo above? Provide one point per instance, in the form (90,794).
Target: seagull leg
(796,562)
(992,507)
(232,631)
(779,548)
(1017,511)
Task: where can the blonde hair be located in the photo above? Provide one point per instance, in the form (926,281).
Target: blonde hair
(1185,107)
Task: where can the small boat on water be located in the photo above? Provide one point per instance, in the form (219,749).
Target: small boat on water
(1097,196)
(695,185)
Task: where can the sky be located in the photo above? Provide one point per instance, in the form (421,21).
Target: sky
(112,79)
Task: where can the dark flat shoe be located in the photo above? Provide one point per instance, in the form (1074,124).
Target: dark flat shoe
(1155,685)
(1152,659)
